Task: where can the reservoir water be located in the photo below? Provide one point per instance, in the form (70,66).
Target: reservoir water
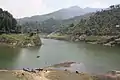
(93,58)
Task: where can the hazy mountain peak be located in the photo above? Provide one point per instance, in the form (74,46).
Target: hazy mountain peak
(88,9)
(74,7)
(61,14)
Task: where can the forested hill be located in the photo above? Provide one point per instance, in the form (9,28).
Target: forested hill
(105,22)
(7,22)
(51,22)
(51,25)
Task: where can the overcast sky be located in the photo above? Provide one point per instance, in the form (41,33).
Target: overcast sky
(24,8)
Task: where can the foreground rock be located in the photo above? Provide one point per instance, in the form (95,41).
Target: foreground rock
(55,74)
(20,40)
(51,74)
(43,75)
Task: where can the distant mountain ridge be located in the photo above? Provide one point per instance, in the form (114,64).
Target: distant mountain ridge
(61,14)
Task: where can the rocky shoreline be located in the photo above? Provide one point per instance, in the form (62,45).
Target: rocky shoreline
(103,40)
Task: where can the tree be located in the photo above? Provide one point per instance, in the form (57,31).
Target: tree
(7,22)
(101,23)
(117,6)
(71,25)
(112,7)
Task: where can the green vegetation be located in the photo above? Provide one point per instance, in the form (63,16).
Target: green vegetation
(20,40)
(104,22)
(88,27)
(8,24)
(55,21)
(51,25)
(102,27)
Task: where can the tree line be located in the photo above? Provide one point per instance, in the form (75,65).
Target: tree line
(8,23)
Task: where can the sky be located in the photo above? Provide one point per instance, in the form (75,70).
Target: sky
(27,8)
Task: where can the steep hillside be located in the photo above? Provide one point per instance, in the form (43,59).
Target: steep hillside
(76,19)
(103,27)
(105,22)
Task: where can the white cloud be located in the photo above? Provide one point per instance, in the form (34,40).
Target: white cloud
(97,4)
(22,8)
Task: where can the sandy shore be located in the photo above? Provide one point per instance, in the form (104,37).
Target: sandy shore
(42,75)
(50,73)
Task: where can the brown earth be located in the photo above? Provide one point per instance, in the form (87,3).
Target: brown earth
(51,74)
(42,75)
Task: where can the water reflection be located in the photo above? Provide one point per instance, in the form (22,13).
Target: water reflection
(17,58)
(101,57)
(27,58)
(7,56)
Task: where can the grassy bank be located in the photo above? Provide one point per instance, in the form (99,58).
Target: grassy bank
(20,40)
